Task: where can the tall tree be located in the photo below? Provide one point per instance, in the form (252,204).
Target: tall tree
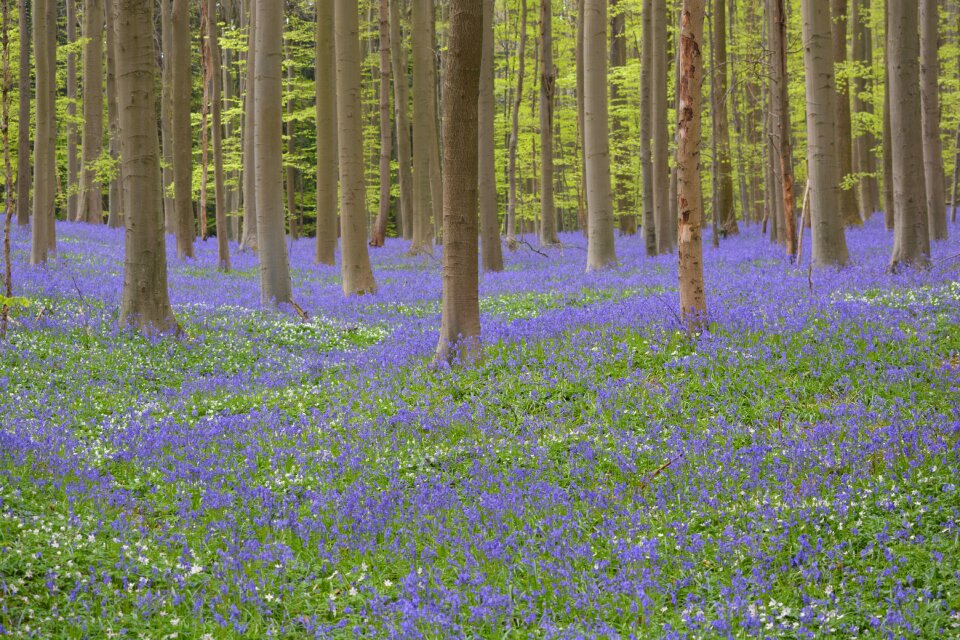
(548,86)
(424,119)
(460,320)
(848,197)
(492,253)
(689,189)
(829,242)
(275,285)
(355,263)
(23,117)
(181,132)
(73,153)
(864,161)
(911,244)
(386,137)
(327,171)
(145,301)
(166,113)
(115,211)
(618,99)
(930,101)
(7,168)
(515,129)
(600,240)
(646,123)
(248,239)
(45,152)
(889,208)
(658,111)
(780,119)
(216,99)
(290,169)
(724,197)
(401,101)
(91,195)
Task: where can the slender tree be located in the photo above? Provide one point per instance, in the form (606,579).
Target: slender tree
(357,274)
(166,113)
(889,207)
(7,168)
(91,195)
(275,285)
(618,100)
(290,169)
(724,197)
(460,321)
(181,81)
(600,240)
(848,199)
(23,115)
(401,103)
(248,239)
(829,242)
(73,149)
(115,211)
(216,123)
(658,111)
(515,129)
(424,119)
(689,189)
(930,101)
(386,137)
(911,244)
(780,119)
(492,253)
(548,86)
(864,161)
(327,171)
(145,301)
(44,154)
(646,123)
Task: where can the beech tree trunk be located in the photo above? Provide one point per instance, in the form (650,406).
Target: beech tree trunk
(515,129)
(73,153)
(145,301)
(829,242)
(166,114)
(248,239)
(864,161)
(45,152)
(91,191)
(646,122)
(23,114)
(492,253)
(115,213)
(548,85)
(581,118)
(327,171)
(889,207)
(724,199)
(658,98)
(386,137)
(621,178)
(181,81)
(401,101)
(848,196)
(600,237)
(275,286)
(216,123)
(780,120)
(460,322)
(355,263)
(424,119)
(911,243)
(693,303)
(930,100)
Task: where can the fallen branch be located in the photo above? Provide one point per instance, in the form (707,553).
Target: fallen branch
(304,316)
(653,476)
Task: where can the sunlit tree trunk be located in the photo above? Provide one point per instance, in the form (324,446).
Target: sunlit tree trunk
(145,302)
(181,81)
(23,112)
(829,243)
(355,263)
(275,286)
(930,100)
(548,84)
(492,253)
(45,151)
(91,193)
(327,171)
(911,244)
(460,320)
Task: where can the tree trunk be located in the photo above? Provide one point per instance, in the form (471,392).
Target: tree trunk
(829,243)
(115,213)
(357,275)
(724,199)
(693,302)
(423,121)
(460,322)
(848,196)
(864,161)
(386,138)
(290,170)
(216,123)
(275,286)
(621,178)
(582,186)
(145,302)
(658,98)
(548,85)
(492,254)
(73,155)
(401,107)
(515,130)
(23,133)
(181,80)
(600,240)
(205,72)
(911,243)
(646,121)
(45,150)
(327,172)
(780,115)
(166,114)
(930,100)
(249,237)
(91,192)
(889,207)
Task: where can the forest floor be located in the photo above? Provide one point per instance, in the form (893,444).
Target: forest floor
(792,473)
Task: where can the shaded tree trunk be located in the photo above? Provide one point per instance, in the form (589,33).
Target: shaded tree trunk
(911,243)
(889,207)
(621,179)
(248,239)
(91,193)
(44,155)
(492,253)
(327,171)
(23,113)
(401,100)
(780,120)
(646,121)
(658,98)
(460,320)
(290,170)
(355,263)
(548,85)
(115,213)
(930,101)
(145,301)
(848,197)
(166,114)
(724,199)
(693,303)
(600,240)
(275,286)
(515,129)
(181,80)
(216,123)
(829,243)
(864,161)
(386,138)
(73,154)
(424,119)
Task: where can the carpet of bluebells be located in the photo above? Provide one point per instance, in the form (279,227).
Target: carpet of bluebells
(791,473)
